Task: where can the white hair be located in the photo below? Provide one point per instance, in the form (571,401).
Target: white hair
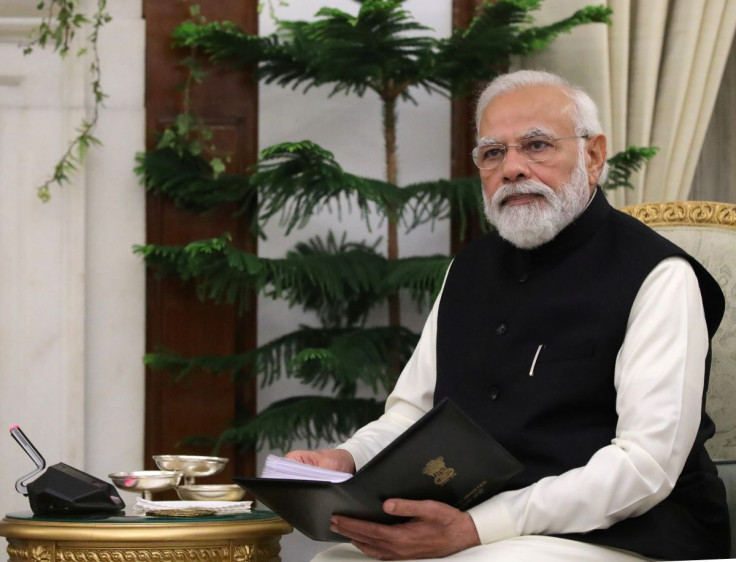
(584,109)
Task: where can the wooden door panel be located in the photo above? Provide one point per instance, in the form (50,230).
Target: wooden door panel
(227,102)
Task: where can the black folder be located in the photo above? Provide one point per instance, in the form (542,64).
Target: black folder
(445,456)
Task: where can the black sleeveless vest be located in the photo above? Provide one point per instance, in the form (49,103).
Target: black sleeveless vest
(560,311)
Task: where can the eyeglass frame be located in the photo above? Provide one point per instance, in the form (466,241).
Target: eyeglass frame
(506,147)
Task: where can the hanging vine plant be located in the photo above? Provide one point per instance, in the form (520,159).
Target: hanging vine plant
(61,22)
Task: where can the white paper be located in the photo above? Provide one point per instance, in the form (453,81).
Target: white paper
(219,507)
(280,467)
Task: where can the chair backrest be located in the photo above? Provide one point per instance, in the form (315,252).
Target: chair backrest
(707,231)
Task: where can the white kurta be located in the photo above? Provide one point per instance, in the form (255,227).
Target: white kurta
(659,381)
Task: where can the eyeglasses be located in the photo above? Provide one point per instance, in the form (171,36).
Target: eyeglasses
(533,149)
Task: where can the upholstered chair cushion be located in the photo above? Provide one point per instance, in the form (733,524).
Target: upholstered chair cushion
(707,231)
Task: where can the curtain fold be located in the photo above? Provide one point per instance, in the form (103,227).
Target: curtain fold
(655,74)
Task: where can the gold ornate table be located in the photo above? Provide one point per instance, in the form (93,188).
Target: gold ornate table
(246,537)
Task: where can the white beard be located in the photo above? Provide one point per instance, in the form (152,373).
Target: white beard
(530,225)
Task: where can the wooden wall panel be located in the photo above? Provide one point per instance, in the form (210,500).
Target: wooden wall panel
(463,132)
(176,319)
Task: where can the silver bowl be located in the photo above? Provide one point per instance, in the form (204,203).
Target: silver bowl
(210,492)
(146,481)
(191,465)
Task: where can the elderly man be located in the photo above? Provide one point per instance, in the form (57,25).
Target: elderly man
(576,336)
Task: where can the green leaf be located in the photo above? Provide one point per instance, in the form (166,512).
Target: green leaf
(315,419)
(623,164)
(226,274)
(348,346)
(427,202)
(422,276)
(500,30)
(218,166)
(297,180)
(191,182)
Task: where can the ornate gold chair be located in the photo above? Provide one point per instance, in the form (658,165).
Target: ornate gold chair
(707,231)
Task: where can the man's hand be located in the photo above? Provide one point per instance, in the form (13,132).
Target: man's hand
(334,459)
(435,530)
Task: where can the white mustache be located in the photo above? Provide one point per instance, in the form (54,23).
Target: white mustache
(527,187)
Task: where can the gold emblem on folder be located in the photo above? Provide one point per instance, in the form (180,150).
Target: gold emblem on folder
(436,469)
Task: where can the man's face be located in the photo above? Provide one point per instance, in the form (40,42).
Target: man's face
(535,200)
(511,117)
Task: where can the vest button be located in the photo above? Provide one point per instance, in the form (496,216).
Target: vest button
(494,393)
(523,277)
(501,329)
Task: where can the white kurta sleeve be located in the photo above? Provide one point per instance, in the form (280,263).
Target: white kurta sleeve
(659,378)
(411,398)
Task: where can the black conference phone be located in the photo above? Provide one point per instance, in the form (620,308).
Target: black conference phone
(62,489)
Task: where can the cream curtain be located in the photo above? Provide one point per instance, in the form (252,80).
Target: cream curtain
(655,73)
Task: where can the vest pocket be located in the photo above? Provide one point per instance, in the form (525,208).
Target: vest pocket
(566,352)
(558,359)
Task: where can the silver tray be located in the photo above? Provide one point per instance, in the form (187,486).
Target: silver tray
(191,466)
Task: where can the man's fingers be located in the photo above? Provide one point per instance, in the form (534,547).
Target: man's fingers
(362,531)
(374,551)
(299,456)
(334,459)
(425,509)
(366,531)
(432,530)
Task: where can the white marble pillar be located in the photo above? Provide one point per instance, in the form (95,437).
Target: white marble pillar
(71,291)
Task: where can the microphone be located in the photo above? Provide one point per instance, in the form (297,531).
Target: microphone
(17,433)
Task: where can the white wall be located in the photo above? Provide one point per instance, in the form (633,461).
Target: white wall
(71,290)
(350,127)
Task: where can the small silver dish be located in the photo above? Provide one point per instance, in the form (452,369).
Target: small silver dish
(210,492)
(191,466)
(146,481)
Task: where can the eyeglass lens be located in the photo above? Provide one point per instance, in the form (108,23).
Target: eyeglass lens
(534,149)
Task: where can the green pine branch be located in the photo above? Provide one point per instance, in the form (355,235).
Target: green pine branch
(538,38)
(224,42)
(500,29)
(383,48)
(379,49)
(191,182)
(427,202)
(355,356)
(623,164)
(315,419)
(225,274)
(266,362)
(421,276)
(360,297)
(316,356)
(297,179)
(294,181)
(481,51)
